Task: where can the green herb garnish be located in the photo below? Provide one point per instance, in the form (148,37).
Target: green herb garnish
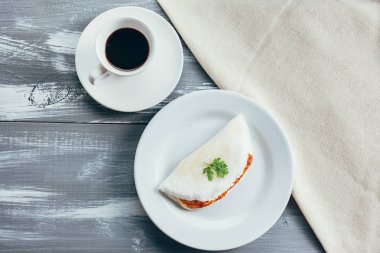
(218,167)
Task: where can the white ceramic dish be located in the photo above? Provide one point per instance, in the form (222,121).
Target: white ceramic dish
(251,208)
(144,89)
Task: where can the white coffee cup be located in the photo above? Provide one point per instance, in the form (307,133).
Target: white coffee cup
(105,68)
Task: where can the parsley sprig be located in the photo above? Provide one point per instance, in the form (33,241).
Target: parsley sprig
(218,167)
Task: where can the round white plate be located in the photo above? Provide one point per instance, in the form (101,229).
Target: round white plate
(251,207)
(142,90)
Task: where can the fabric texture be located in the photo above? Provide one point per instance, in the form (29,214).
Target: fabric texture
(315,65)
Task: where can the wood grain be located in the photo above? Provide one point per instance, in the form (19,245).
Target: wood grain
(38,81)
(66,176)
(69,187)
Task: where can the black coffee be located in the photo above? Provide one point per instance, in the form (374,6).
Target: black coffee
(127,49)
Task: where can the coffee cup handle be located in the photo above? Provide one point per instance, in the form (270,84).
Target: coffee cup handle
(98,74)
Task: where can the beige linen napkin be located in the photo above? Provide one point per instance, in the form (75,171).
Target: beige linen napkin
(315,65)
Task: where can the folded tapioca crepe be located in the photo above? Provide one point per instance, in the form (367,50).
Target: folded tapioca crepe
(207,174)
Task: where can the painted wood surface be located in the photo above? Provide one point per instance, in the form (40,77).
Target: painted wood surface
(38,81)
(66,163)
(70,187)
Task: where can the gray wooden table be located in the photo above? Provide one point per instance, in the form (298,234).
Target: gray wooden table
(66,163)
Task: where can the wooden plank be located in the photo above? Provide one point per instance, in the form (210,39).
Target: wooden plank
(69,187)
(37,71)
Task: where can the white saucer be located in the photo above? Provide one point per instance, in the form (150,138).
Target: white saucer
(251,207)
(142,90)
